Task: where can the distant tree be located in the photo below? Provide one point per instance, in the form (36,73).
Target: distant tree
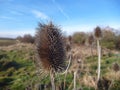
(27,38)
(19,38)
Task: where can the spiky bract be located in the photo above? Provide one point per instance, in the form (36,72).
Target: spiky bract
(50,47)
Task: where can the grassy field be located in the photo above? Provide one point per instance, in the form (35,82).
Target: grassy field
(19,72)
(7,41)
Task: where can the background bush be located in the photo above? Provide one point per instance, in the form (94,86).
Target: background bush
(27,38)
(79,37)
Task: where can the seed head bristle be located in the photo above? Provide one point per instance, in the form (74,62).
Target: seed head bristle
(50,47)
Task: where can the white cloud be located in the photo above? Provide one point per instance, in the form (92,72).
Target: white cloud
(40,14)
(60,9)
(67,29)
(17,32)
(70,29)
(5,17)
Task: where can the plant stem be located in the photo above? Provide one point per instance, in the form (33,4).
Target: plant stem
(67,68)
(92,51)
(75,75)
(52,79)
(99,57)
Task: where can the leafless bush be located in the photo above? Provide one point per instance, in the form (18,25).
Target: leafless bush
(79,37)
(27,38)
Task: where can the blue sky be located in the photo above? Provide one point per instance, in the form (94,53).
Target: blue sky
(19,17)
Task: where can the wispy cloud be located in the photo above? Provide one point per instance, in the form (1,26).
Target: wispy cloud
(17,32)
(16,13)
(40,14)
(60,9)
(6,17)
(70,29)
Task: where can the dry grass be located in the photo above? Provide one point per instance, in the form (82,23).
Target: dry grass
(79,53)
(113,75)
(7,42)
(88,80)
(18,46)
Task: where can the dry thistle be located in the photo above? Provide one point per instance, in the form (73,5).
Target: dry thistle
(68,44)
(98,35)
(103,84)
(98,32)
(50,47)
(70,39)
(91,39)
(116,67)
(69,56)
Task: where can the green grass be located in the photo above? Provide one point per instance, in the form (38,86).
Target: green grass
(14,64)
(17,70)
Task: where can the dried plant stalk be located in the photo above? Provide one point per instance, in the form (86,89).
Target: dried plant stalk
(75,76)
(69,47)
(50,49)
(91,40)
(98,32)
(98,35)
(99,59)
(52,77)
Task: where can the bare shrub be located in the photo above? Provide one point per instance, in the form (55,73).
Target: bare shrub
(79,37)
(109,39)
(27,38)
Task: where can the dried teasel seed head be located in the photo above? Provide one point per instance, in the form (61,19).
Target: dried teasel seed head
(70,39)
(103,84)
(116,67)
(98,32)
(68,43)
(91,39)
(68,47)
(50,47)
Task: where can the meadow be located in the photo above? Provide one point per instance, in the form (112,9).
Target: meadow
(18,70)
(91,61)
(6,41)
